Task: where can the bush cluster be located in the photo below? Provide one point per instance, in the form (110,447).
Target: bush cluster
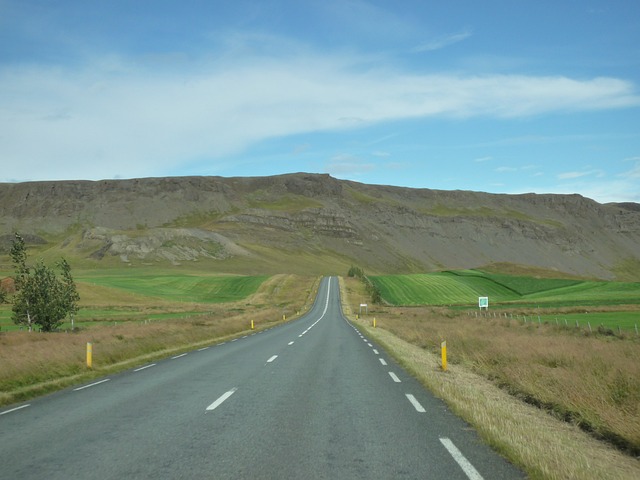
(372,290)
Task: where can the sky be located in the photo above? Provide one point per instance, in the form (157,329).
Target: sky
(500,96)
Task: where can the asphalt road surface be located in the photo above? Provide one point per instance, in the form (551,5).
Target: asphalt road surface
(311,399)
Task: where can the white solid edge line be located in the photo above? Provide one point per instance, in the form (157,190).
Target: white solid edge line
(17,408)
(272,358)
(394,377)
(382,361)
(146,366)
(222,398)
(91,385)
(457,455)
(415,403)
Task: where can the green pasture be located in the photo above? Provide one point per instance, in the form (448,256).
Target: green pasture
(462,288)
(180,287)
(611,320)
(158,296)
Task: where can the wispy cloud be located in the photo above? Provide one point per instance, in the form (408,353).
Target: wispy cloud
(442,42)
(580,174)
(346,164)
(482,159)
(114,117)
(380,153)
(635,171)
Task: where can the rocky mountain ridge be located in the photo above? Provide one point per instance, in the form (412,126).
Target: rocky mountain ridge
(283,222)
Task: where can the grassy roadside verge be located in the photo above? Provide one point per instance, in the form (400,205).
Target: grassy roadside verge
(543,446)
(35,364)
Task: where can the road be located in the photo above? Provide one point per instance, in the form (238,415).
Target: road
(310,399)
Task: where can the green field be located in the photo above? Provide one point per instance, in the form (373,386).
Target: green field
(462,288)
(120,296)
(181,287)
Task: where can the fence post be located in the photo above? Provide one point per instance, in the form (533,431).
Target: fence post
(443,348)
(89,355)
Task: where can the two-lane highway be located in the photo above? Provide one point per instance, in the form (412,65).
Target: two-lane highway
(313,398)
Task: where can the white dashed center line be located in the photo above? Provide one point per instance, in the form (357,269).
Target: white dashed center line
(375,351)
(382,361)
(272,359)
(290,343)
(178,356)
(203,348)
(394,377)
(222,398)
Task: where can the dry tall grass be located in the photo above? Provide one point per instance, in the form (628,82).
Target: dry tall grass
(593,382)
(36,363)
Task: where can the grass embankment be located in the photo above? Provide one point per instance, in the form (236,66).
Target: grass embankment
(531,391)
(38,363)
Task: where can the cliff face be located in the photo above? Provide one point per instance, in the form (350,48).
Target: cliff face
(296,217)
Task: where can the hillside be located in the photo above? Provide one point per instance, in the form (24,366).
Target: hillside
(318,224)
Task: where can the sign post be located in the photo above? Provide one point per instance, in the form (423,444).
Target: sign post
(483,302)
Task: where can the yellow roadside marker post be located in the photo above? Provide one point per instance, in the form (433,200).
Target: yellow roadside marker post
(252,326)
(443,348)
(89,355)
(374,322)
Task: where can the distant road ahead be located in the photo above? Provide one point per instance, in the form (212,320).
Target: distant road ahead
(311,399)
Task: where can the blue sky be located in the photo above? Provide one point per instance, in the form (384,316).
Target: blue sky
(497,96)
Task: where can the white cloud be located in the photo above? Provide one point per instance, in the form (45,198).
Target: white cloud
(635,171)
(442,42)
(346,164)
(380,154)
(584,173)
(113,117)
(482,159)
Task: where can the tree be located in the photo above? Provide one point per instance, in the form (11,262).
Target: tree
(70,294)
(41,297)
